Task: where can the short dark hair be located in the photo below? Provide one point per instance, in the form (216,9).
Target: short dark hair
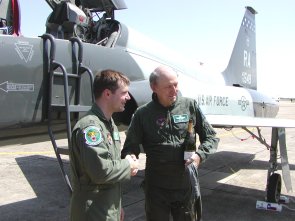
(108,79)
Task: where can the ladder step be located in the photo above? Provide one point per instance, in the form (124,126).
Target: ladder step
(59,74)
(63,150)
(72,108)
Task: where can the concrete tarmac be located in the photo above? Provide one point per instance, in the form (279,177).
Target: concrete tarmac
(232,180)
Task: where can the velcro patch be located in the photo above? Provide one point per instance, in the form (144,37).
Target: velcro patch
(182,118)
(92,135)
(116,136)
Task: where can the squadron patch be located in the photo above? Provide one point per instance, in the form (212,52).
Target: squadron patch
(92,135)
(161,121)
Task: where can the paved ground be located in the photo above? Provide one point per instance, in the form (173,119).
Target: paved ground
(232,180)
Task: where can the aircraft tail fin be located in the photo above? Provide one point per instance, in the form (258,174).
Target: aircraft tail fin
(241,70)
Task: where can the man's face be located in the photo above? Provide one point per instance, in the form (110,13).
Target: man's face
(119,98)
(166,89)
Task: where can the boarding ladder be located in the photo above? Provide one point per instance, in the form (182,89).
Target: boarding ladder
(72,104)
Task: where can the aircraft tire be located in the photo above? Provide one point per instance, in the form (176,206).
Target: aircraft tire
(274,188)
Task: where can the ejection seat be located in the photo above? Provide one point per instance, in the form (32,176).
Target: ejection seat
(106,29)
(76,20)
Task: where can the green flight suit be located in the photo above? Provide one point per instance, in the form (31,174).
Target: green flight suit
(161,132)
(97,169)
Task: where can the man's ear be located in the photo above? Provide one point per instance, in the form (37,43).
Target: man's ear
(106,93)
(153,87)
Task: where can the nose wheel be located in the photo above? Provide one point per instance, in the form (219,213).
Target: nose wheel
(274,188)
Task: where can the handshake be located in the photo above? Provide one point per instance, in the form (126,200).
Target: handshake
(134,164)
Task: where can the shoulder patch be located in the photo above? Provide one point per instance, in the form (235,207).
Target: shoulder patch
(92,135)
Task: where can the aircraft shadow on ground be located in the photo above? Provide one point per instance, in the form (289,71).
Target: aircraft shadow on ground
(233,202)
(239,204)
(52,198)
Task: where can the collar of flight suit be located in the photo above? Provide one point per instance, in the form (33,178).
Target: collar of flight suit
(156,101)
(98,112)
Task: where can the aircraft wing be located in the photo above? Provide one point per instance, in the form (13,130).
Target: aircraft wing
(243,121)
(278,137)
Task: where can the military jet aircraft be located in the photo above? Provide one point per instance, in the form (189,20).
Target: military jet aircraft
(47,79)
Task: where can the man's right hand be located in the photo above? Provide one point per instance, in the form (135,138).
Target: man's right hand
(134,164)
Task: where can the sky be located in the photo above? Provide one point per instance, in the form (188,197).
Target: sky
(205,31)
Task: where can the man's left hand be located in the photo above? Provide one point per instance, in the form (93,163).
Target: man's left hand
(195,159)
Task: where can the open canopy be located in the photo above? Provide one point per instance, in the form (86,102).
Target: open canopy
(98,5)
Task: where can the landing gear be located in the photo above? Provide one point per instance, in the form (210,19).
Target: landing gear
(274,180)
(274,188)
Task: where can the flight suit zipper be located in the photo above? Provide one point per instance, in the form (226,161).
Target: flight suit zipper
(171,134)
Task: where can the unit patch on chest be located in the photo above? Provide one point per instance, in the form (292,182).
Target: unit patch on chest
(92,135)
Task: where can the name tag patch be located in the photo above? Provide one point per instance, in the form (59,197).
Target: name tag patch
(182,118)
(116,136)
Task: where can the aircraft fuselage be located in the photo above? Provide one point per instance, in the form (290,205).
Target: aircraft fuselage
(24,83)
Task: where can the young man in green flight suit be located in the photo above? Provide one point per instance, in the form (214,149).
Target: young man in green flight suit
(96,166)
(161,126)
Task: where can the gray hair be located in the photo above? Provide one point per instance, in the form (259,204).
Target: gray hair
(154,77)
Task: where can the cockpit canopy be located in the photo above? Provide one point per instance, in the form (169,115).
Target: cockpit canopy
(98,5)
(103,5)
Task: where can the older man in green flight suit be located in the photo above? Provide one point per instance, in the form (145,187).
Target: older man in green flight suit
(160,127)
